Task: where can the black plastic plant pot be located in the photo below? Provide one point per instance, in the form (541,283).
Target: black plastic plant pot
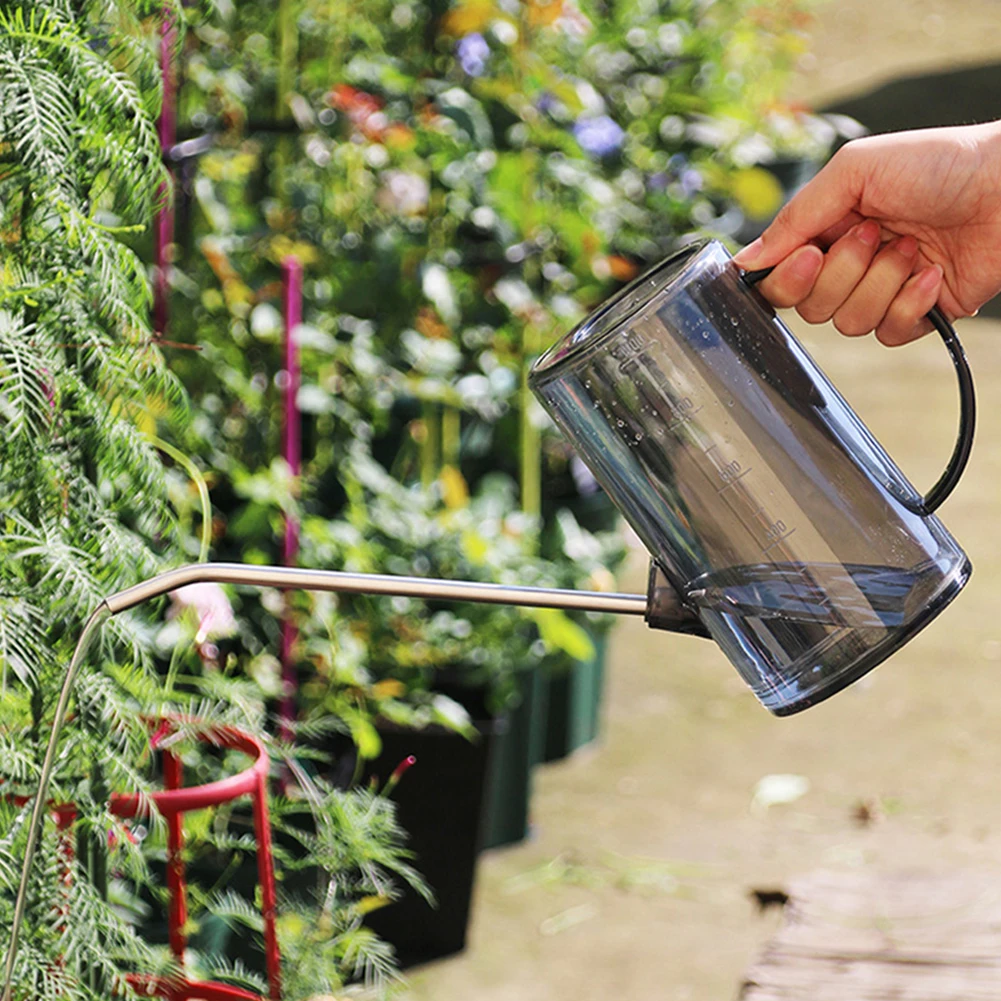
(574,696)
(518,748)
(440,804)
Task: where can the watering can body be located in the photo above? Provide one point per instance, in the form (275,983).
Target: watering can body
(767,505)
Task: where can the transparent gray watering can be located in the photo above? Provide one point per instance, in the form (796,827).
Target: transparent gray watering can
(772,514)
(776,523)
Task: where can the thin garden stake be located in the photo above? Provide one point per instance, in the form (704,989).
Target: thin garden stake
(292,450)
(163,222)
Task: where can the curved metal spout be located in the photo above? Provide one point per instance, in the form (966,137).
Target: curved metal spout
(661,607)
(428,588)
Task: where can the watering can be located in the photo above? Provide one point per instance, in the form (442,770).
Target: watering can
(777,525)
(770,511)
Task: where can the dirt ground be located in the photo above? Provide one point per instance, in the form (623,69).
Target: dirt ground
(636,883)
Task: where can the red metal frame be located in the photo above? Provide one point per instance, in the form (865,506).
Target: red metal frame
(188,990)
(173,802)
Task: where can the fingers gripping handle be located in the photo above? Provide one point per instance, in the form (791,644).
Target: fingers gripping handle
(967,403)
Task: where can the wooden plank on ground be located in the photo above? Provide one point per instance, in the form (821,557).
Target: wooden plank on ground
(885,936)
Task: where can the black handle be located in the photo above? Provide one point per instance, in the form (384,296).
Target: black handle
(967,402)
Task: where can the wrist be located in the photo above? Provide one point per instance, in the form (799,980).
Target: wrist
(989,147)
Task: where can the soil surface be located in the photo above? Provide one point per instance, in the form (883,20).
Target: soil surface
(639,881)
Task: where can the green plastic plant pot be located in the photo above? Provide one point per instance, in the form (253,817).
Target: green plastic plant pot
(574,702)
(518,749)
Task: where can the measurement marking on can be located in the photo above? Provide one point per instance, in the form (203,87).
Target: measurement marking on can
(781,538)
(683,420)
(735,479)
(711,448)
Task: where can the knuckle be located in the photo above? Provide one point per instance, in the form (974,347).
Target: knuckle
(785,218)
(849,152)
(813,312)
(895,329)
(851,324)
(890,335)
(900,315)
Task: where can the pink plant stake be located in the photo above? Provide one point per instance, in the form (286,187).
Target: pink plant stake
(398,772)
(292,447)
(163,222)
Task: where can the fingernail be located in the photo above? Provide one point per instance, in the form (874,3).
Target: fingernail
(907,246)
(868,233)
(930,277)
(749,253)
(805,265)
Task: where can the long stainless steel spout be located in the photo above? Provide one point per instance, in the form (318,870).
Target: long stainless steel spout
(428,588)
(662,608)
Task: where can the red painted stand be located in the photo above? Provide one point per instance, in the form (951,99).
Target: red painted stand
(173,803)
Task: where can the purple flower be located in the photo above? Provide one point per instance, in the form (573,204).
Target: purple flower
(473,53)
(599,136)
(691,181)
(658,181)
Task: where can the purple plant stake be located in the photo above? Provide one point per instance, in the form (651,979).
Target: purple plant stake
(163,222)
(292,447)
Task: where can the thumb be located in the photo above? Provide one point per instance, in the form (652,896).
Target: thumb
(817,206)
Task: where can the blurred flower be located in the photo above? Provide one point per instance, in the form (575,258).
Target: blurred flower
(600,136)
(542,13)
(670,38)
(404,193)
(546,102)
(364,110)
(757,191)
(691,181)
(473,53)
(621,268)
(573,21)
(583,478)
(399,136)
(211,608)
(467,16)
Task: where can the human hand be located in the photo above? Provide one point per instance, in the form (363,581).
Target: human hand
(907,220)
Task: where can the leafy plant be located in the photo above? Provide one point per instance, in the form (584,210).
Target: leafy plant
(388,527)
(84,506)
(87,509)
(461,181)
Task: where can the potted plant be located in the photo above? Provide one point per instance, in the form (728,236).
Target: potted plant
(480,656)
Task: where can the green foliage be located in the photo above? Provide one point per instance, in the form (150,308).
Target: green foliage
(87,509)
(339,853)
(391,528)
(84,508)
(460,181)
